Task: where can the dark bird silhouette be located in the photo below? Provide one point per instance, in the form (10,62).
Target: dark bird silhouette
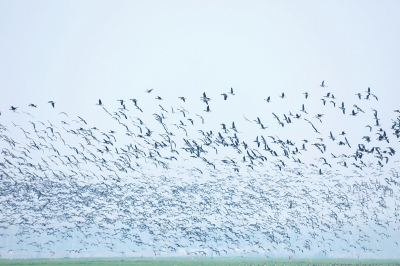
(343,108)
(331,136)
(353,113)
(303,109)
(205,98)
(134,101)
(323,84)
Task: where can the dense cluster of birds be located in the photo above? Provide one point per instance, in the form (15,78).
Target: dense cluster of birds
(163,183)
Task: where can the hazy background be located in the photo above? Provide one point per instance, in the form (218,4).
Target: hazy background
(76,52)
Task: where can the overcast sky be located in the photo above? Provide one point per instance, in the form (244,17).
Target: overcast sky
(76,52)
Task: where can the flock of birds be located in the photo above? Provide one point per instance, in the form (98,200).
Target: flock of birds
(162,183)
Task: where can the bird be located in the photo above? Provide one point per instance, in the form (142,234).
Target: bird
(182,98)
(99,103)
(318,116)
(331,136)
(367,138)
(52,103)
(149,90)
(343,108)
(353,113)
(268,99)
(303,109)
(234,127)
(225,96)
(231,92)
(205,98)
(323,84)
(358,108)
(32,105)
(134,101)
(258,121)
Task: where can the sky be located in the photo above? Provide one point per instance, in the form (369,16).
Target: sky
(77,52)
(83,51)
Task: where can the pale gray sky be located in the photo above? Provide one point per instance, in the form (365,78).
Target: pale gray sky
(94,49)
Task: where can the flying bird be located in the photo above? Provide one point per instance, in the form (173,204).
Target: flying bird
(205,98)
(343,108)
